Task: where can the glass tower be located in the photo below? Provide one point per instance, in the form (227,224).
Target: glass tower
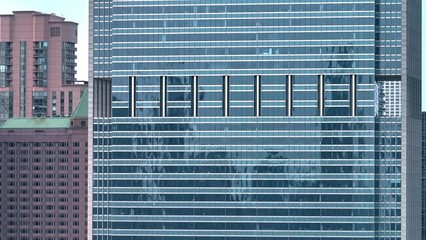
(423,175)
(255,120)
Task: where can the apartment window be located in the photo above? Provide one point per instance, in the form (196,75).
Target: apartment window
(50,168)
(37,191)
(63,168)
(40,64)
(70,103)
(62,103)
(63,207)
(53,103)
(6,105)
(50,175)
(63,184)
(22,77)
(55,31)
(50,184)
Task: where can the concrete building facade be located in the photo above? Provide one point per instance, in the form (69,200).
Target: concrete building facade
(37,65)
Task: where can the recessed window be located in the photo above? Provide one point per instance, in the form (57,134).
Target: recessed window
(55,31)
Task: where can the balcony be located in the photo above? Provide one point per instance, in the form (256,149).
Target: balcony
(39,70)
(7,63)
(71,64)
(40,55)
(73,72)
(40,83)
(5,48)
(6,54)
(40,77)
(71,56)
(71,49)
(6,71)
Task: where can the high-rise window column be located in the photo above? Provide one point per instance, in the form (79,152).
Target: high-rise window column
(289,96)
(70,102)
(194,89)
(163,102)
(62,103)
(54,103)
(40,64)
(353,95)
(257,89)
(22,77)
(132,101)
(5,64)
(226,96)
(321,95)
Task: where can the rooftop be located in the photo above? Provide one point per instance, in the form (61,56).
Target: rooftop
(36,123)
(81,111)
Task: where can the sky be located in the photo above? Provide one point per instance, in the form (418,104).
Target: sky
(78,11)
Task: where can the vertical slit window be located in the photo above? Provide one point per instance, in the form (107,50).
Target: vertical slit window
(132,91)
(321,95)
(22,77)
(70,103)
(163,95)
(54,104)
(62,103)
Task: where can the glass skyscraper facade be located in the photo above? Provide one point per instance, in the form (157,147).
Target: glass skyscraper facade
(255,120)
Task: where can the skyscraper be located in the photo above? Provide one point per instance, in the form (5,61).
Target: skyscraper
(257,120)
(37,65)
(423,175)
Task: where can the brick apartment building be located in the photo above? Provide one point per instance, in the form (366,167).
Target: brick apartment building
(43,177)
(37,65)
